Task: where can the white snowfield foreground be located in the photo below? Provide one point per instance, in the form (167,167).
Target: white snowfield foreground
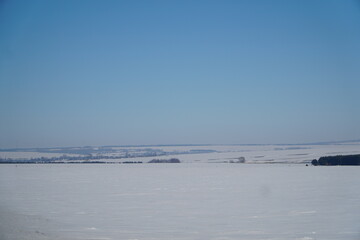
(178,201)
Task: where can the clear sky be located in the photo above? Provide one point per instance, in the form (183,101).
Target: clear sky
(75,73)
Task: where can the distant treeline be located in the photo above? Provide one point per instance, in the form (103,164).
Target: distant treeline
(73,160)
(338,160)
(64,162)
(48,162)
(171,160)
(63,158)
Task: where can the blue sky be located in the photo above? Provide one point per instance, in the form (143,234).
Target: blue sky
(75,73)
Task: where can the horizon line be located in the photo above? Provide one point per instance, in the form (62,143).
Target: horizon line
(189,144)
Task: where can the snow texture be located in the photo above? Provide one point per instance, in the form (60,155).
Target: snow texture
(179,201)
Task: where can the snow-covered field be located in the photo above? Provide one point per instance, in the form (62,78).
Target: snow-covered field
(193,153)
(179,201)
(258,153)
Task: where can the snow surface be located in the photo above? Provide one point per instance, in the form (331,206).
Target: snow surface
(201,153)
(179,201)
(253,153)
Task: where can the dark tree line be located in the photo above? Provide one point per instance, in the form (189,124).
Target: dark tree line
(338,160)
(171,160)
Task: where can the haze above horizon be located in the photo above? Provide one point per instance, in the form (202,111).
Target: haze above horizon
(96,73)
